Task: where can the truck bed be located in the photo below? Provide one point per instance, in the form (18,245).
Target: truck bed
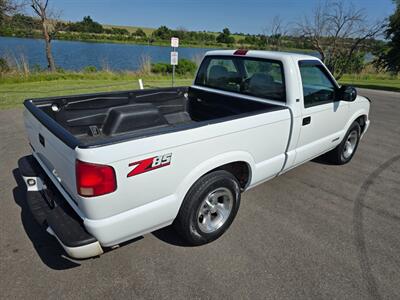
(99,119)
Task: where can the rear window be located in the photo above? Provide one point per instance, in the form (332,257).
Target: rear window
(250,76)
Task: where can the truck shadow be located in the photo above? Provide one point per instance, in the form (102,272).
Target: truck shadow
(50,252)
(170,236)
(323,160)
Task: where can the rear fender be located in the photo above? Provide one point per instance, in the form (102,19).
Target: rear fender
(211,164)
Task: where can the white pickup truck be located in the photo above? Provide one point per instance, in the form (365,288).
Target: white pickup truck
(106,168)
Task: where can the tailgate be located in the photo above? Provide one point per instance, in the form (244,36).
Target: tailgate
(53,154)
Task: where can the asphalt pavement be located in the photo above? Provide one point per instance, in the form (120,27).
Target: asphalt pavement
(317,232)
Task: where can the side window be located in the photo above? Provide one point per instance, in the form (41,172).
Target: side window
(317,86)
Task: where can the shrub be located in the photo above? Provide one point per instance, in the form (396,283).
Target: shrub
(145,64)
(119,31)
(161,68)
(37,68)
(90,69)
(62,71)
(184,67)
(4,67)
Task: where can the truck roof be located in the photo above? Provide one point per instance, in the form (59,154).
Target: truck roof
(265,54)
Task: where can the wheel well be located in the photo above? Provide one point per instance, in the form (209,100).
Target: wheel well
(361,120)
(239,169)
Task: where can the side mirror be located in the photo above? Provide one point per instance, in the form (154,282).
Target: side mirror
(347,93)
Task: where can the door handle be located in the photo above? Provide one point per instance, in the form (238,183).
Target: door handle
(41,140)
(306,121)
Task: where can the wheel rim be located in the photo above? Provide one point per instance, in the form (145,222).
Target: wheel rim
(350,144)
(215,210)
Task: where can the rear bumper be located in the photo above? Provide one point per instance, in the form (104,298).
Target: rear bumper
(51,211)
(106,232)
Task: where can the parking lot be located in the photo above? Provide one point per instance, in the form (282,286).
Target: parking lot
(319,231)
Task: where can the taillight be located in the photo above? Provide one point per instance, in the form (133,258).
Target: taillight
(240,52)
(94,180)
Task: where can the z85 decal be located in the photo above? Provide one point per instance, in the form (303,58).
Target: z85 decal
(150,164)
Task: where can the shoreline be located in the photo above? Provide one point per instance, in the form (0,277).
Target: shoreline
(165,44)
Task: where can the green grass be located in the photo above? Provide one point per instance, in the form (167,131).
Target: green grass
(69,75)
(14,89)
(373,81)
(12,94)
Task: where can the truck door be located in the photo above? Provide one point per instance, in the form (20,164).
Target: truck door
(323,114)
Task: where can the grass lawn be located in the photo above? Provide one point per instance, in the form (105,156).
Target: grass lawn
(377,82)
(14,91)
(13,94)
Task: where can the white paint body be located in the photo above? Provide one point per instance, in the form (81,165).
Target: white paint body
(151,200)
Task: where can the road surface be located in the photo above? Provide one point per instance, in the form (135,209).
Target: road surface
(317,232)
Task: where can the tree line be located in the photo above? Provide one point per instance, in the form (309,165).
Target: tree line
(28,26)
(341,34)
(21,25)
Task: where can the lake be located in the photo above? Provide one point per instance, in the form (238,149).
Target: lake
(73,55)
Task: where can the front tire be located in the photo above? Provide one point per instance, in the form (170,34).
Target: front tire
(208,208)
(345,151)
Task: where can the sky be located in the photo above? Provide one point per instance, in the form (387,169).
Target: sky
(248,16)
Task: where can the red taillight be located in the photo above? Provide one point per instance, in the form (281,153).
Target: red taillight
(94,180)
(240,52)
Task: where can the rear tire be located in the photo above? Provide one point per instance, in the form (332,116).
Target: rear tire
(209,208)
(345,151)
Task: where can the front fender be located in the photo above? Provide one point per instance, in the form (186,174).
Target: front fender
(362,110)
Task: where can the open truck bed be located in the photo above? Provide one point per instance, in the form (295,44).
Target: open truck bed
(101,119)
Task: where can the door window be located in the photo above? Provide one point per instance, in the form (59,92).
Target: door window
(318,87)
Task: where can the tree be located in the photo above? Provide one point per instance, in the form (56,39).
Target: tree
(278,30)
(390,58)
(41,9)
(120,31)
(8,7)
(338,32)
(139,33)
(25,22)
(180,32)
(162,33)
(88,25)
(274,33)
(225,37)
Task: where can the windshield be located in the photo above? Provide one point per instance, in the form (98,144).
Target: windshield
(249,76)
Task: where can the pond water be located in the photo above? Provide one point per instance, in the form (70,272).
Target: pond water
(73,55)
